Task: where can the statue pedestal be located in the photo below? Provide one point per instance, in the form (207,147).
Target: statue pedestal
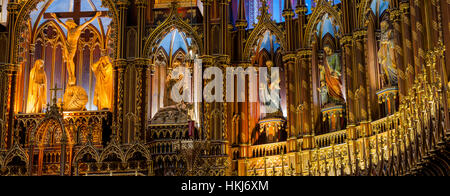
(334,114)
(75,99)
(388,98)
(271,130)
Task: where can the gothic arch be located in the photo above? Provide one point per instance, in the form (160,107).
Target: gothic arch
(110,150)
(137,148)
(52,117)
(265,23)
(44,25)
(17,151)
(322,8)
(173,21)
(88,149)
(26,6)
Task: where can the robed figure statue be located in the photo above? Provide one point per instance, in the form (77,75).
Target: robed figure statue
(37,89)
(103,71)
(387,57)
(330,76)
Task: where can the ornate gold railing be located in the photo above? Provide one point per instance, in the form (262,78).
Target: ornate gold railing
(409,142)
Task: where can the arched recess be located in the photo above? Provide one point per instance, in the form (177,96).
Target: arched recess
(265,23)
(324,29)
(112,150)
(173,21)
(375,12)
(137,148)
(323,7)
(86,150)
(265,44)
(97,40)
(16,151)
(41,129)
(27,6)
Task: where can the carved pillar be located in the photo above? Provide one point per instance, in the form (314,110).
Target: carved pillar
(408,61)
(120,67)
(141,101)
(398,44)
(347,47)
(11,70)
(122,6)
(417,35)
(292,96)
(4,89)
(306,106)
(223,26)
(12,94)
(207,26)
(361,76)
(141,7)
(347,59)
(291,74)
(119,70)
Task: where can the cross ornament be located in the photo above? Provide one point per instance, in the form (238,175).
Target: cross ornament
(55,91)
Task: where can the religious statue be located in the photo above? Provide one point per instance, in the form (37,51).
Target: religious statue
(37,90)
(271,96)
(103,71)
(387,57)
(170,83)
(323,91)
(330,78)
(70,49)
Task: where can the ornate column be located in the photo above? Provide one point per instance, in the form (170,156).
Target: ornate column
(10,72)
(4,89)
(407,44)
(13,69)
(224,26)
(141,74)
(120,65)
(120,68)
(361,77)
(347,60)
(291,74)
(241,110)
(417,35)
(142,99)
(122,6)
(206,26)
(141,6)
(398,43)
(347,46)
(306,105)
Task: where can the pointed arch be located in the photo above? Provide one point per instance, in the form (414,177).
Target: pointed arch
(46,24)
(52,116)
(16,151)
(173,21)
(137,148)
(322,8)
(112,149)
(88,149)
(265,23)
